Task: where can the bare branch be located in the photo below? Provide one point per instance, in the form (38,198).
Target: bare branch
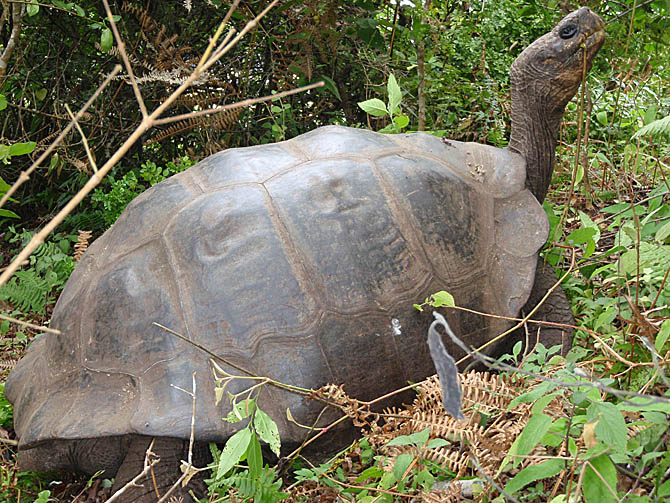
(83,139)
(148,465)
(30,325)
(25,175)
(18,11)
(239,104)
(122,50)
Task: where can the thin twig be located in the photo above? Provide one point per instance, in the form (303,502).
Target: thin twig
(239,104)
(83,139)
(148,465)
(147,122)
(25,175)
(126,62)
(30,325)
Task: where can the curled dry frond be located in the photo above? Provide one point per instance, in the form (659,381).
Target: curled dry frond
(486,433)
(81,245)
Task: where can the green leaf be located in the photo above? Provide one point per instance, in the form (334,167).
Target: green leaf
(3,102)
(437,442)
(650,114)
(611,427)
(532,473)
(401,121)
(535,429)
(402,462)
(267,430)
(8,213)
(442,299)
(394,93)
(662,336)
(40,94)
(595,490)
(602,118)
(235,448)
(657,128)
(372,472)
(106,40)
(664,490)
(374,107)
(662,233)
(418,307)
(241,410)
(330,85)
(22,148)
(254,457)
(32,8)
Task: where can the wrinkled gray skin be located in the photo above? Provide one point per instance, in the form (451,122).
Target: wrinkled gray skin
(299,261)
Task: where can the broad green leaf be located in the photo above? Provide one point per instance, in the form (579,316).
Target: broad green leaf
(535,429)
(530,396)
(442,299)
(235,448)
(106,40)
(395,94)
(401,121)
(437,442)
(650,114)
(579,175)
(32,8)
(267,430)
(662,233)
(420,438)
(82,13)
(602,118)
(3,102)
(8,213)
(639,403)
(40,94)
(664,490)
(254,457)
(329,84)
(533,473)
(372,472)
(662,336)
(595,490)
(241,410)
(611,427)
(425,479)
(402,462)
(22,148)
(374,107)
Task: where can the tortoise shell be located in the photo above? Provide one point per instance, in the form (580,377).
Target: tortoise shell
(300,261)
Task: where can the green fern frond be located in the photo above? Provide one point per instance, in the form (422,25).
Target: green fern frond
(656,128)
(26,291)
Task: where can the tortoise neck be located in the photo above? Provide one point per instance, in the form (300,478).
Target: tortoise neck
(534,133)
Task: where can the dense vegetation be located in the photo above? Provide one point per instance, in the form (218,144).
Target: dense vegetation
(450,60)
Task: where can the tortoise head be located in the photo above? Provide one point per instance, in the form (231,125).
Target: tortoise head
(552,67)
(543,79)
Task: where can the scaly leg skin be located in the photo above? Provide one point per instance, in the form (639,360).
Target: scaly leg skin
(170,451)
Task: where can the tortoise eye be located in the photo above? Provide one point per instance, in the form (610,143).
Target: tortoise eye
(568,31)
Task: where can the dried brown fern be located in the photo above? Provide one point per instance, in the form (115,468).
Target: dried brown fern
(81,245)
(218,121)
(6,365)
(486,433)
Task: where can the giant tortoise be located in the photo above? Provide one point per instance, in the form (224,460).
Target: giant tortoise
(300,261)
